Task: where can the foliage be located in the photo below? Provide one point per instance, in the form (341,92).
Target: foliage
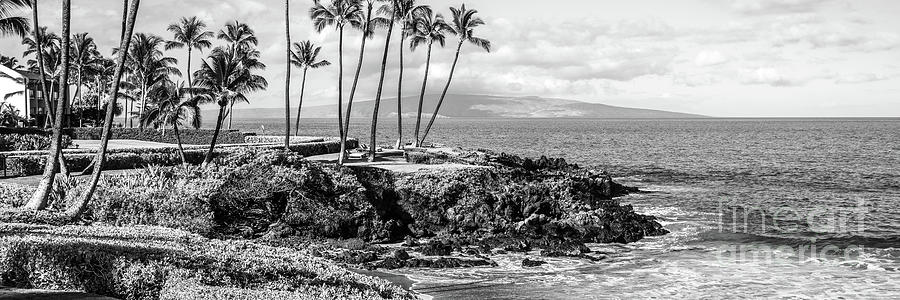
(26,142)
(138,263)
(188,136)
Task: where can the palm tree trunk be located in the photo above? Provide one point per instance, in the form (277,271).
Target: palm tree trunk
(443,94)
(300,104)
(39,56)
(387,45)
(400,97)
(212,145)
(340,106)
(79,207)
(42,194)
(80,96)
(362,51)
(422,95)
(48,102)
(143,104)
(99,87)
(180,147)
(287,77)
(189,83)
(230,114)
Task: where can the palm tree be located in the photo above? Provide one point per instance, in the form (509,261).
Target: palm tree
(191,33)
(172,108)
(10,62)
(390,10)
(243,42)
(406,12)
(464,23)
(287,76)
(368,31)
(340,14)
(223,79)
(429,28)
(41,195)
(84,58)
(148,66)
(305,56)
(131,15)
(10,23)
(38,46)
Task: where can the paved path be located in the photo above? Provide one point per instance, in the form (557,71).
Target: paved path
(33,294)
(35,179)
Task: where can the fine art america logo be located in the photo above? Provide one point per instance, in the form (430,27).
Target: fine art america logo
(802,233)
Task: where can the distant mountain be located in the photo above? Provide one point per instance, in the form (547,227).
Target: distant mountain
(477,106)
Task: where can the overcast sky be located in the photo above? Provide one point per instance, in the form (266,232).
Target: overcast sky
(714,57)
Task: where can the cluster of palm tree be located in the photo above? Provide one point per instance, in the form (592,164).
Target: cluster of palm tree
(419,24)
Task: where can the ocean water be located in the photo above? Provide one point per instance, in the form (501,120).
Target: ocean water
(757,208)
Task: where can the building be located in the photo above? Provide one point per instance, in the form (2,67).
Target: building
(22,90)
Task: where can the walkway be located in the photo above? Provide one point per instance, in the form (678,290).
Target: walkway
(34,294)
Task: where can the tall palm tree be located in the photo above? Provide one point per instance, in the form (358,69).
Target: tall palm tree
(287,76)
(172,108)
(223,79)
(389,10)
(39,46)
(340,14)
(130,16)
(428,28)
(42,194)
(148,66)
(305,56)
(243,42)
(464,23)
(191,33)
(10,22)
(406,12)
(368,31)
(84,58)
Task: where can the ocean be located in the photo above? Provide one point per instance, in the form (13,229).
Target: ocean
(757,208)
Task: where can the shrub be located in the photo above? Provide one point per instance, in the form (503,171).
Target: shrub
(26,142)
(138,263)
(188,136)
(272,139)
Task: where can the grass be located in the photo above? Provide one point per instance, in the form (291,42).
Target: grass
(148,262)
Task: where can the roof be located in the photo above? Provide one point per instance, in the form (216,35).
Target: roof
(7,72)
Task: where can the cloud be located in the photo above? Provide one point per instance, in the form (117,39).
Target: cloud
(710,58)
(767,7)
(769,76)
(862,78)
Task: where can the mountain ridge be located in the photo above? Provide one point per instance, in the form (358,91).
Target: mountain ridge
(477,106)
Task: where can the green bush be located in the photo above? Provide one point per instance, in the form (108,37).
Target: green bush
(26,142)
(188,136)
(138,263)
(266,139)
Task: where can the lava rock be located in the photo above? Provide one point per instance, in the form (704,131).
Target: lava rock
(436,248)
(399,254)
(528,263)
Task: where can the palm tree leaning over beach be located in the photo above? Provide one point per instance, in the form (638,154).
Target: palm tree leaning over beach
(368,31)
(405,12)
(287,76)
(463,26)
(305,56)
(41,195)
(189,33)
(224,79)
(11,23)
(388,10)
(340,14)
(130,16)
(173,107)
(429,28)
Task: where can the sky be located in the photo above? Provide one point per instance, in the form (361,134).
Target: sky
(726,58)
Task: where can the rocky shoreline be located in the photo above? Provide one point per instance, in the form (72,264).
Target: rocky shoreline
(460,217)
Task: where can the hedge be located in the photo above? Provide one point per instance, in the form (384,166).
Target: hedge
(262,139)
(188,136)
(120,159)
(30,141)
(149,263)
